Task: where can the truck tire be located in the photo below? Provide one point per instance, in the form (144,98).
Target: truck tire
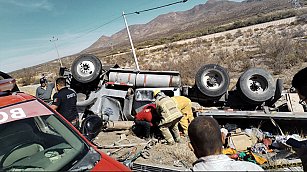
(86,68)
(212,80)
(256,86)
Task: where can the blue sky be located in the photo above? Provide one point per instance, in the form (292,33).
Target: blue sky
(26,26)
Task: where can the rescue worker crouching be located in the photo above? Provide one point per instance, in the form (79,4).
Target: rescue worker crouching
(143,122)
(64,102)
(185,106)
(169,115)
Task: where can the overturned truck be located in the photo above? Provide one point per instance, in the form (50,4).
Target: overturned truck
(117,94)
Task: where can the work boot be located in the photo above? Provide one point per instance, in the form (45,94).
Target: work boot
(178,140)
(170,143)
(147,138)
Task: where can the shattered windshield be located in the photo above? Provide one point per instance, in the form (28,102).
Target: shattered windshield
(144,95)
(34,139)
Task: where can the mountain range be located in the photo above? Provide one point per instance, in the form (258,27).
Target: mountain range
(212,13)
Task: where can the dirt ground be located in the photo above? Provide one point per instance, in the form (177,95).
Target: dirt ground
(177,156)
(30,89)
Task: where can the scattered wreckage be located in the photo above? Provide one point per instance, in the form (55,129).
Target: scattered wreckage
(116,95)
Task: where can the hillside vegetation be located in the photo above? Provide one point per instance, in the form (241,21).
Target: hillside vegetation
(200,20)
(280,49)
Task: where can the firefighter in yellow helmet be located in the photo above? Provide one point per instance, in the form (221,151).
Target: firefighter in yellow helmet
(185,106)
(169,115)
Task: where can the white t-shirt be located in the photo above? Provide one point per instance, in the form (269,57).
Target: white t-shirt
(223,163)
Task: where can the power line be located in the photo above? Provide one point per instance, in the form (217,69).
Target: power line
(104,24)
(117,18)
(136,12)
(88,30)
(162,6)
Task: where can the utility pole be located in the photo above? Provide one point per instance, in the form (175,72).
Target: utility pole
(138,12)
(54,39)
(131,43)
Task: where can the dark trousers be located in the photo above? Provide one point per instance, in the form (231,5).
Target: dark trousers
(142,129)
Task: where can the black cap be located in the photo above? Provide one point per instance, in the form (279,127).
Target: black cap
(42,80)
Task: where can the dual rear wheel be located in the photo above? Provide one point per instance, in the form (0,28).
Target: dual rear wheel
(255,85)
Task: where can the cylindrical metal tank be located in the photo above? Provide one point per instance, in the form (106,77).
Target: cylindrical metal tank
(122,77)
(145,78)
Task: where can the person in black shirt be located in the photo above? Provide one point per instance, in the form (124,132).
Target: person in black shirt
(64,102)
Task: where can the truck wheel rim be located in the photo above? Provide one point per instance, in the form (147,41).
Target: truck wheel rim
(257,84)
(85,68)
(212,80)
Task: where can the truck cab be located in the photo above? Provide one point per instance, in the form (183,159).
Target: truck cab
(114,93)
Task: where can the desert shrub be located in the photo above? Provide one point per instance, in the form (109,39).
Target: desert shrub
(282,52)
(218,39)
(140,53)
(271,31)
(207,43)
(27,77)
(238,24)
(235,61)
(302,18)
(228,36)
(221,55)
(184,49)
(299,32)
(187,66)
(249,33)
(238,34)
(240,42)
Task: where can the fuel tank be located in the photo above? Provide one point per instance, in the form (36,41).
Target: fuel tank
(145,78)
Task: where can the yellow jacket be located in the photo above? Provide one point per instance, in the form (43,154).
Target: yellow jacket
(182,102)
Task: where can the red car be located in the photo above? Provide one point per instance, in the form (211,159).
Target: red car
(33,137)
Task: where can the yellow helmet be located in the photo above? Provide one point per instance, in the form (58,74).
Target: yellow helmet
(156,92)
